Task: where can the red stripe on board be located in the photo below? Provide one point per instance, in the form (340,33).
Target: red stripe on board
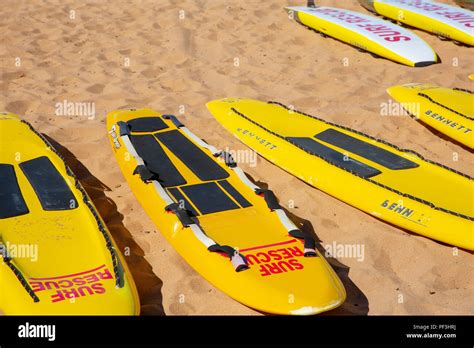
(70,275)
(269,245)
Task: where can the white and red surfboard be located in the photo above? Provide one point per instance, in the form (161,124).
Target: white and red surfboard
(441,19)
(369,33)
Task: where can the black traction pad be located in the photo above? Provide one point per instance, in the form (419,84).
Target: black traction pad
(156,160)
(335,157)
(371,152)
(192,156)
(181,200)
(50,187)
(12,202)
(146,124)
(209,198)
(231,190)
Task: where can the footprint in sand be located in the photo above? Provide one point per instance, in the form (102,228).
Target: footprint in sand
(329,224)
(8,76)
(196,284)
(18,107)
(96,88)
(125,52)
(181,308)
(188,41)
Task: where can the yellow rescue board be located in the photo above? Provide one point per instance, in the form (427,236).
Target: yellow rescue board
(201,204)
(367,33)
(441,19)
(58,257)
(395,185)
(450,111)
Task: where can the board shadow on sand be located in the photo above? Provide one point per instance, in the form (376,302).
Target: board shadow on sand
(148,284)
(356,302)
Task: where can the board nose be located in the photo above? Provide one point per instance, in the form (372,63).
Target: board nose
(368,4)
(218,106)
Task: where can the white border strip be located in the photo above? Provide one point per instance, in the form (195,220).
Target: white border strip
(289,225)
(199,233)
(201,142)
(240,173)
(162,192)
(128,144)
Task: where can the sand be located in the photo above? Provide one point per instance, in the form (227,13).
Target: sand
(175,56)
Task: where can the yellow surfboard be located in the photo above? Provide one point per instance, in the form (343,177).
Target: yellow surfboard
(58,257)
(229,230)
(450,111)
(437,18)
(367,33)
(392,184)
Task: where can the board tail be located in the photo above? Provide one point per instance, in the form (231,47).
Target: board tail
(368,4)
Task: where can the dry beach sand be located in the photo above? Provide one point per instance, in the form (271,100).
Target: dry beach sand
(177,55)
